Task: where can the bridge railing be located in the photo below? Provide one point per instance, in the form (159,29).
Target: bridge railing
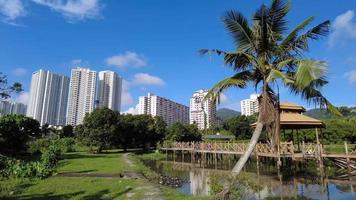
(286,148)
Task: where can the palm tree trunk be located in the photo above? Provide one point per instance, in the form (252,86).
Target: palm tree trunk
(254,139)
(256,133)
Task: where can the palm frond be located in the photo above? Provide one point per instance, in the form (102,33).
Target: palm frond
(308,71)
(312,94)
(278,11)
(238,80)
(276,74)
(239,28)
(211,51)
(289,42)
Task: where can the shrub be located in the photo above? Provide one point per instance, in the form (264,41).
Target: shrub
(41,145)
(37,169)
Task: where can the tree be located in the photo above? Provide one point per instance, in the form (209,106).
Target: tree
(98,128)
(183,133)
(5,89)
(15,132)
(160,128)
(67,131)
(240,126)
(267,58)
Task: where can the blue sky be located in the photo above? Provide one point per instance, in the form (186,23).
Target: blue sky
(153,44)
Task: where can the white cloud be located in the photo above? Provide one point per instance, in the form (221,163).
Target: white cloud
(131,110)
(126,97)
(23,98)
(343,28)
(223,99)
(74,10)
(128,59)
(19,71)
(351,76)
(10,10)
(146,79)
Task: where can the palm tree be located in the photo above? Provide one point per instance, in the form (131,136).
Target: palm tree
(266,58)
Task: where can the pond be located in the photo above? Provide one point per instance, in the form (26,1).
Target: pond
(295,180)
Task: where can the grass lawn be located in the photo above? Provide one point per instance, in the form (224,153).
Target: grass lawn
(81,162)
(57,187)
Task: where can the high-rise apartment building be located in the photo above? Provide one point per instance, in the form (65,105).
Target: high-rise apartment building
(169,110)
(202,111)
(81,95)
(12,108)
(109,90)
(249,106)
(48,97)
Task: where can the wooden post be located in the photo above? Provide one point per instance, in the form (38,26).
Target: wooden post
(182,156)
(303,149)
(319,148)
(174,155)
(347,157)
(298,140)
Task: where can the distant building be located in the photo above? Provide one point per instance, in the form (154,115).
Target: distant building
(81,95)
(109,90)
(202,112)
(249,106)
(12,108)
(48,97)
(169,110)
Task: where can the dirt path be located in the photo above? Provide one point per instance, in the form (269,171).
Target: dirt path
(150,191)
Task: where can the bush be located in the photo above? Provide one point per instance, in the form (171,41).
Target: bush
(37,169)
(41,145)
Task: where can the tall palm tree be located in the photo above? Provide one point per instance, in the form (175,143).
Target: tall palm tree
(266,58)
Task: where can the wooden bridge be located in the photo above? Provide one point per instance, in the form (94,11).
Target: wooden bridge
(286,150)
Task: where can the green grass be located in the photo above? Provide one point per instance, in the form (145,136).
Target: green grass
(338,148)
(57,187)
(111,162)
(76,188)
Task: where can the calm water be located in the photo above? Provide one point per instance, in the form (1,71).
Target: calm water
(296,180)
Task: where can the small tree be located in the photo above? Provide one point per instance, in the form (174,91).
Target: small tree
(67,131)
(15,132)
(98,128)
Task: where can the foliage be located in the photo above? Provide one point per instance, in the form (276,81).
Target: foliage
(98,128)
(67,131)
(336,131)
(41,145)
(105,129)
(33,169)
(5,89)
(15,132)
(183,133)
(240,126)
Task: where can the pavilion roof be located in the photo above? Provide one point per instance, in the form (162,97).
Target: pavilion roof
(292,117)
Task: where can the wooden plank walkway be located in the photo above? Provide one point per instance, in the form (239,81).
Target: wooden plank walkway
(286,149)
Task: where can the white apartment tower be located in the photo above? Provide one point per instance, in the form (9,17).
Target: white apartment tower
(109,90)
(202,111)
(81,95)
(13,108)
(170,111)
(48,97)
(249,106)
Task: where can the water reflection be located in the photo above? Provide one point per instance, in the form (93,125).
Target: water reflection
(296,181)
(199,182)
